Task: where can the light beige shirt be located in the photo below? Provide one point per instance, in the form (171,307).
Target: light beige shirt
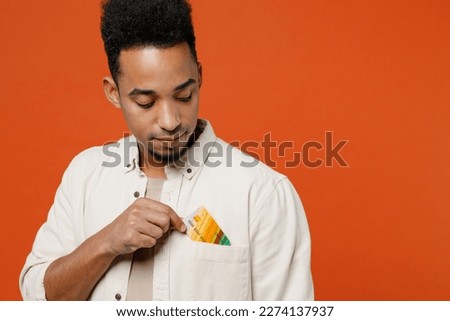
(257,208)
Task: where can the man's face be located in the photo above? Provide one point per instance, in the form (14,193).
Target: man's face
(158,92)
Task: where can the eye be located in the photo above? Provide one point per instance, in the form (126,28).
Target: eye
(185,99)
(145,106)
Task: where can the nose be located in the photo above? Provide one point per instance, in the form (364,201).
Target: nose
(169,117)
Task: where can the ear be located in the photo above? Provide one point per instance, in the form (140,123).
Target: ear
(111,91)
(200,78)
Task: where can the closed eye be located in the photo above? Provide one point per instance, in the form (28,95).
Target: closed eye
(185,99)
(146,106)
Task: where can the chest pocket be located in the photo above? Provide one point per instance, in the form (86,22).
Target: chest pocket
(216,272)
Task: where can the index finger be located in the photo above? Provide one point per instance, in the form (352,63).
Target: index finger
(175,220)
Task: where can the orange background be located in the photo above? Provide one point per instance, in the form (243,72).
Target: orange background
(376,73)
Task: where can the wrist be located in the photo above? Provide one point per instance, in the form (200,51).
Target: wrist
(102,246)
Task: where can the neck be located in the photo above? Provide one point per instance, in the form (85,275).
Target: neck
(151,167)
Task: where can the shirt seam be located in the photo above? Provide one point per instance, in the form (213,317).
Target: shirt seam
(258,213)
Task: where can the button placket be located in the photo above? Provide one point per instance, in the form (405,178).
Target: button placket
(161,275)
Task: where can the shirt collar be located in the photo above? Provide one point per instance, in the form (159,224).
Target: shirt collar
(188,165)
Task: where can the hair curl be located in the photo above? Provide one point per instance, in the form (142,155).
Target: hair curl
(128,24)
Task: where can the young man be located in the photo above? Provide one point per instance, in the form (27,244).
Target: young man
(115,230)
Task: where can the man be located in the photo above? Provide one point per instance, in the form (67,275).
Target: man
(115,230)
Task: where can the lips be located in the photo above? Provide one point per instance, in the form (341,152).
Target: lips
(169,141)
(167,138)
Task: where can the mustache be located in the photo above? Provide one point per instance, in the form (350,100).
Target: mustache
(168,135)
(184,138)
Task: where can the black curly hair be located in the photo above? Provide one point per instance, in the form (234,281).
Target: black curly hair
(129,24)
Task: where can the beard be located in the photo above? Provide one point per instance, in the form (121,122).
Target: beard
(174,154)
(170,157)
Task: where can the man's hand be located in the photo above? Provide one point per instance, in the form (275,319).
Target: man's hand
(72,277)
(140,225)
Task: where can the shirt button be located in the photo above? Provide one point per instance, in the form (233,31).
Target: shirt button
(128,165)
(118,297)
(189,170)
(136,194)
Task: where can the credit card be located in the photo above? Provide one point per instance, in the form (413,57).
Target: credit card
(201,227)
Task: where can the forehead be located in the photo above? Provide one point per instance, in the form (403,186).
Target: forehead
(156,68)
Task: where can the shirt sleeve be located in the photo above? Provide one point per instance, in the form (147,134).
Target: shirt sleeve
(281,248)
(54,239)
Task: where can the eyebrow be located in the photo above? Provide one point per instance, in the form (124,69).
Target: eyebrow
(185,84)
(138,91)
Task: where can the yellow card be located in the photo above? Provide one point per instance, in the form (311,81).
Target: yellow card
(202,227)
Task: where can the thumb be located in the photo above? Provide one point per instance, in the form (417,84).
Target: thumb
(177,222)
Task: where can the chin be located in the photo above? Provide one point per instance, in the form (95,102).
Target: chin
(168,158)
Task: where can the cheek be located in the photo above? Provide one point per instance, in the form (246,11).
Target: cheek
(190,114)
(190,122)
(138,122)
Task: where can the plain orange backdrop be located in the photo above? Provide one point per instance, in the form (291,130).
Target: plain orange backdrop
(375,73)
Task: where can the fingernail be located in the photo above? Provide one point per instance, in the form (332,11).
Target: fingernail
(183,228)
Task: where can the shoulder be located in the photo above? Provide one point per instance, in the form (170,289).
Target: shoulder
(246,177)
(113,154)
(91,157)
(238,164)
